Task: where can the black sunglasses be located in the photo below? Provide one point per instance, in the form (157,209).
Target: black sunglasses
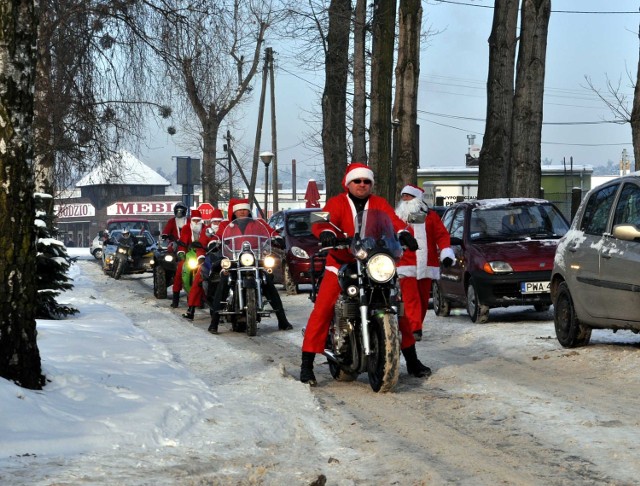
(360,181)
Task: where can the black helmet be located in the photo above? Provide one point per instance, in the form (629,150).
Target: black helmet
(180,210)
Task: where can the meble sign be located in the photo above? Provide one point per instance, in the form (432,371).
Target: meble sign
(74,210)
(140,208)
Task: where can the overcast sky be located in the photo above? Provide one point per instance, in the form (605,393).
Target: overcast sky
(586,38)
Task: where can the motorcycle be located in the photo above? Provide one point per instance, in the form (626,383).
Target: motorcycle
(364,335)
(164,264)
(246,261)
(132,256)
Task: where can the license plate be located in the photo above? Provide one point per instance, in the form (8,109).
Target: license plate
(535,287)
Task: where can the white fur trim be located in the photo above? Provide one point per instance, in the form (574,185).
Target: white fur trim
(412,191)
(359,173)
(239,206)
(447,252)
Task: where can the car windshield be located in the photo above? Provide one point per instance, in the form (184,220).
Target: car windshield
(299,224)
(538,221)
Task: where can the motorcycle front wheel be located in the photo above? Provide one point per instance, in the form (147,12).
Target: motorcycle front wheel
(252,313)
(159,282)
(383,364)
(119,268)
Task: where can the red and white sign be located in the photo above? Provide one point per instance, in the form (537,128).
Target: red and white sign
(74,210)
(206,210)
(141,208)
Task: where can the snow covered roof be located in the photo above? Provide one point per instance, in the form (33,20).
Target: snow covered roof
(124,170)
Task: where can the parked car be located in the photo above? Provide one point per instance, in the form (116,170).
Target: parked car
(131,223)
(595,281)
(504,255)
(96,246)
(300,245)
(111,246)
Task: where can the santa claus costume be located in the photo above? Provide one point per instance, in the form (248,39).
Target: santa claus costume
(417,268)
(188,235)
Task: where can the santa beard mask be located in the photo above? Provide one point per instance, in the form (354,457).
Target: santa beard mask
(180,222)
(405,208)
(196,227)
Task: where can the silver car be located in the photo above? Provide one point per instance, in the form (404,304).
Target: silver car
(96,247)
(595,283)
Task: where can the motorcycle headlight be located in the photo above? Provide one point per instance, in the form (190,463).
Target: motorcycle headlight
(381,268)
(247,259)
(269,261)
(225,263)
(192,263)
(122,250)
(168,258)
(299,252)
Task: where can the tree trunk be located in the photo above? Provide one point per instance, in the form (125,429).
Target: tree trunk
(495,155)
(359,84)
(635,117)
(384,22)
(334,97)
(405,170)
(210,184)
(19,354)
(526,136)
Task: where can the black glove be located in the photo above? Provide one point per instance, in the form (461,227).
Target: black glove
(328,238)
(447,262)
(277,241)
(408,240)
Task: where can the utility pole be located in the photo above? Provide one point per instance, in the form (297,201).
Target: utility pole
(256,147)
(274,137)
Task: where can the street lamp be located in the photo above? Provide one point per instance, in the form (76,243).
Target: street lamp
(266,157)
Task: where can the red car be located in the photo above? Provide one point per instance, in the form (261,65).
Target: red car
(504,255)
(299,246)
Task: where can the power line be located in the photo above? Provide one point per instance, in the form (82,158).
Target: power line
(553,11)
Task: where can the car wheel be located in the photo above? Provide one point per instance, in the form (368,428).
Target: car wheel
(477,312)
(97,254)
(569,331)
(290,286)
(441,306)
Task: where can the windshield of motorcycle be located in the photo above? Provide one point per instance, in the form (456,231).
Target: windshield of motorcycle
(375,232)
(246,230)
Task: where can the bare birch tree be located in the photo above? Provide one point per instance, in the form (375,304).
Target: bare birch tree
(19,354)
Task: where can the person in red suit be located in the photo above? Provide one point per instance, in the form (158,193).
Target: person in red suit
(241,209)
(196,294)
(173,227)
(417,268)
(189,234)
(358,184)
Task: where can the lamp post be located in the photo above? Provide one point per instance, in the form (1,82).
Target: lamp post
(266,158)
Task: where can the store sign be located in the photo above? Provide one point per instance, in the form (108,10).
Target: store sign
(74,210)
(141,208)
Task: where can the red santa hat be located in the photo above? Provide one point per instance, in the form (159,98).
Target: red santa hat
(216,215)
(195,213)
(412,190)
(357,171)
(238,204)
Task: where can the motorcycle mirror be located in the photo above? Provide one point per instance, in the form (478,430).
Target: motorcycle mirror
(210,232)
(319,217)
(416,218)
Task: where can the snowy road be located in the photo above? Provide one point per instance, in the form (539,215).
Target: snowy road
(506,405)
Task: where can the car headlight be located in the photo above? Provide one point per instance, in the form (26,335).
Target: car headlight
(269,261)
(225,263)
(298,252)
(381,268)
(247,259)
(497,267)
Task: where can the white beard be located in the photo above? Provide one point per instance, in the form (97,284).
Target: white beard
(405,208)
(180,222)
(196,227)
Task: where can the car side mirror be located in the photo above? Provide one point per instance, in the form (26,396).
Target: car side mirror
(626,232)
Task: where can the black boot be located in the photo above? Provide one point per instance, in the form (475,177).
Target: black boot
(306,369)
(191,312)
(414,366)
(176,299)
(283,323)
(213,327)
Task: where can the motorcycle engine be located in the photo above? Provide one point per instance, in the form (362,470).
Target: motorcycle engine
(345,312)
